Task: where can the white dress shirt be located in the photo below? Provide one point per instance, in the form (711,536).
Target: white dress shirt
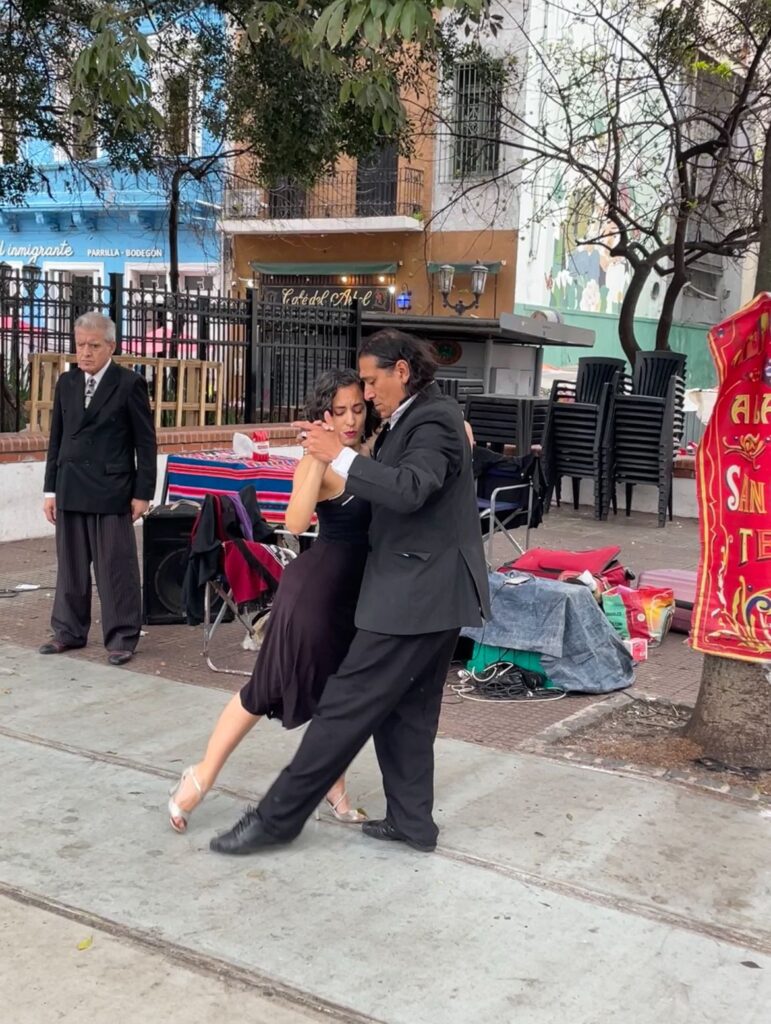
(341,464)
(98,378)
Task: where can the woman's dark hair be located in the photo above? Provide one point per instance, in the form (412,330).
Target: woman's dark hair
(321,396)
(389,346)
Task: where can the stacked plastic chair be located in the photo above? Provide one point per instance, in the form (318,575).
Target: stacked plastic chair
(648,425)
(540,415)
(578,431)
(498,420)
(460,388)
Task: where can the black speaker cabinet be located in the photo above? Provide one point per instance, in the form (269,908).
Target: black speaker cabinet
(166,542)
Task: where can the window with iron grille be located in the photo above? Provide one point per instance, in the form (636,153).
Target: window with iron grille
(475,125)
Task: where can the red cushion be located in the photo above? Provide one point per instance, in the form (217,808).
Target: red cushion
(548,562)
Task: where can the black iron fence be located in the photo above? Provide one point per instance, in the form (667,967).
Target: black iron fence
(270,353)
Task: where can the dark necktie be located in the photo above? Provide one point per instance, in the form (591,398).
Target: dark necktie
(90,389)
(380,439)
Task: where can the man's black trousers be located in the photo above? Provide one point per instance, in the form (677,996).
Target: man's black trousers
(390,688)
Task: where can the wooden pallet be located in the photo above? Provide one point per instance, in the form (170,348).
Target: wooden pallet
(197,385)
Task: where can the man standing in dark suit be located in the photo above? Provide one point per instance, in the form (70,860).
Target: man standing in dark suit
(99,479)
(425,578)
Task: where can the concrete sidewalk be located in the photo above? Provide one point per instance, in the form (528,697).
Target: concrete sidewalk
(557,893)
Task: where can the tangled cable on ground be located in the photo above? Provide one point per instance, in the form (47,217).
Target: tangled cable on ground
(503,681)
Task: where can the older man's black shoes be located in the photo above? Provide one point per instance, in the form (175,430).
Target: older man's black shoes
(56,647)
(119,657)
(248,835)
(383,829)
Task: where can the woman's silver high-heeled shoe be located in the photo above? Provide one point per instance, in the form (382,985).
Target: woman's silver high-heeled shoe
(176,814)
(350,817)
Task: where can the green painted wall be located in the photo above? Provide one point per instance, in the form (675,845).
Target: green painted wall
(692,340)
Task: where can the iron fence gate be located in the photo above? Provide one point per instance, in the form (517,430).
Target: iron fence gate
(270,353)
(292,345)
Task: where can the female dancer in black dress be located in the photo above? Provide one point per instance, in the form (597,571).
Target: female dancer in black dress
(311,621)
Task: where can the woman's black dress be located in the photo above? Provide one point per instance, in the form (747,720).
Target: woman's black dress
(311,621)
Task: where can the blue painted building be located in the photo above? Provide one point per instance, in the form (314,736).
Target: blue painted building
(80,234)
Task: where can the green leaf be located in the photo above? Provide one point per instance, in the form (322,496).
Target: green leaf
(407,20)
(335,26)
(317,34)
(373,31)
(392,19)
(353,23)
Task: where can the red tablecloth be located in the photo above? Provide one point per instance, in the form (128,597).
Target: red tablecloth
(197,474)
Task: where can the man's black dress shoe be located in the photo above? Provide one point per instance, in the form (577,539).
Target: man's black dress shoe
(383,829)
(248,835)
(119,657)
(55,647)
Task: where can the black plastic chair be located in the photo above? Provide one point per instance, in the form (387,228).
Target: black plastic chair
(652,371)
(540,407)
(460,387)
(644,439)
(594,372)
(499,419)
(578,444)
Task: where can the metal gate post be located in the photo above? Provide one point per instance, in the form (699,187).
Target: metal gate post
(252,363)
(115,309)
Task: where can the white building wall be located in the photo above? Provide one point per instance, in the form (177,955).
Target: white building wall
(461,205)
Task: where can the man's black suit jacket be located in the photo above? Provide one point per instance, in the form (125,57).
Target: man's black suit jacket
(426,570)
(101,457)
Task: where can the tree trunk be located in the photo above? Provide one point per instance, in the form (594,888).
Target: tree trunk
(666,317)
(174,201)
(732,717)
(763,279)
(626,333)
(177,320)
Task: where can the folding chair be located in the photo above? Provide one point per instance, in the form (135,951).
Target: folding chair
(246,586)
(230,575)
(510,494)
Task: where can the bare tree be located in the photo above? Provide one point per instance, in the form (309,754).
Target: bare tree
(644,135)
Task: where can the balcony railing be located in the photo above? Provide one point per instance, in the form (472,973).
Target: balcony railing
(368,193)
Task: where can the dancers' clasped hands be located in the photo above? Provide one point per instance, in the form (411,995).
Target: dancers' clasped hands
(319,438)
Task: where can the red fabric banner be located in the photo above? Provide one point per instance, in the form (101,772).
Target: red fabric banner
(732,613)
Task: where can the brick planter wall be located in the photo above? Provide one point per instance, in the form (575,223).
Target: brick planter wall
(31,447)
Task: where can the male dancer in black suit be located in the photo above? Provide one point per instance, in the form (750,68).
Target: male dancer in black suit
(425,578)
(99,479)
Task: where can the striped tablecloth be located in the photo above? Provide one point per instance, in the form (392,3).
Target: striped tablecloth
(197,474)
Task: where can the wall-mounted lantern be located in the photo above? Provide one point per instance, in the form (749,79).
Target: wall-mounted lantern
(478,282)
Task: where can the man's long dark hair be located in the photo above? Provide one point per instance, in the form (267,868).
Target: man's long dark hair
(389,346)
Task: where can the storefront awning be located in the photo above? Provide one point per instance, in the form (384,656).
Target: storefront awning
(319,269)
(493,266)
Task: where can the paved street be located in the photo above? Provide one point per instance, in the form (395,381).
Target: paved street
(557,893)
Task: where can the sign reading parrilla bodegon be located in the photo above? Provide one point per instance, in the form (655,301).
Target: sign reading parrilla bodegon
(143,254)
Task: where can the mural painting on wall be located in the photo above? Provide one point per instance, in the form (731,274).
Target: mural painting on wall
(585,275)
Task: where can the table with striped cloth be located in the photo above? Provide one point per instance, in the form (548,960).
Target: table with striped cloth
(197,474)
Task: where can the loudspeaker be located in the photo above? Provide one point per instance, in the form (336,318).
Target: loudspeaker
(166,544)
